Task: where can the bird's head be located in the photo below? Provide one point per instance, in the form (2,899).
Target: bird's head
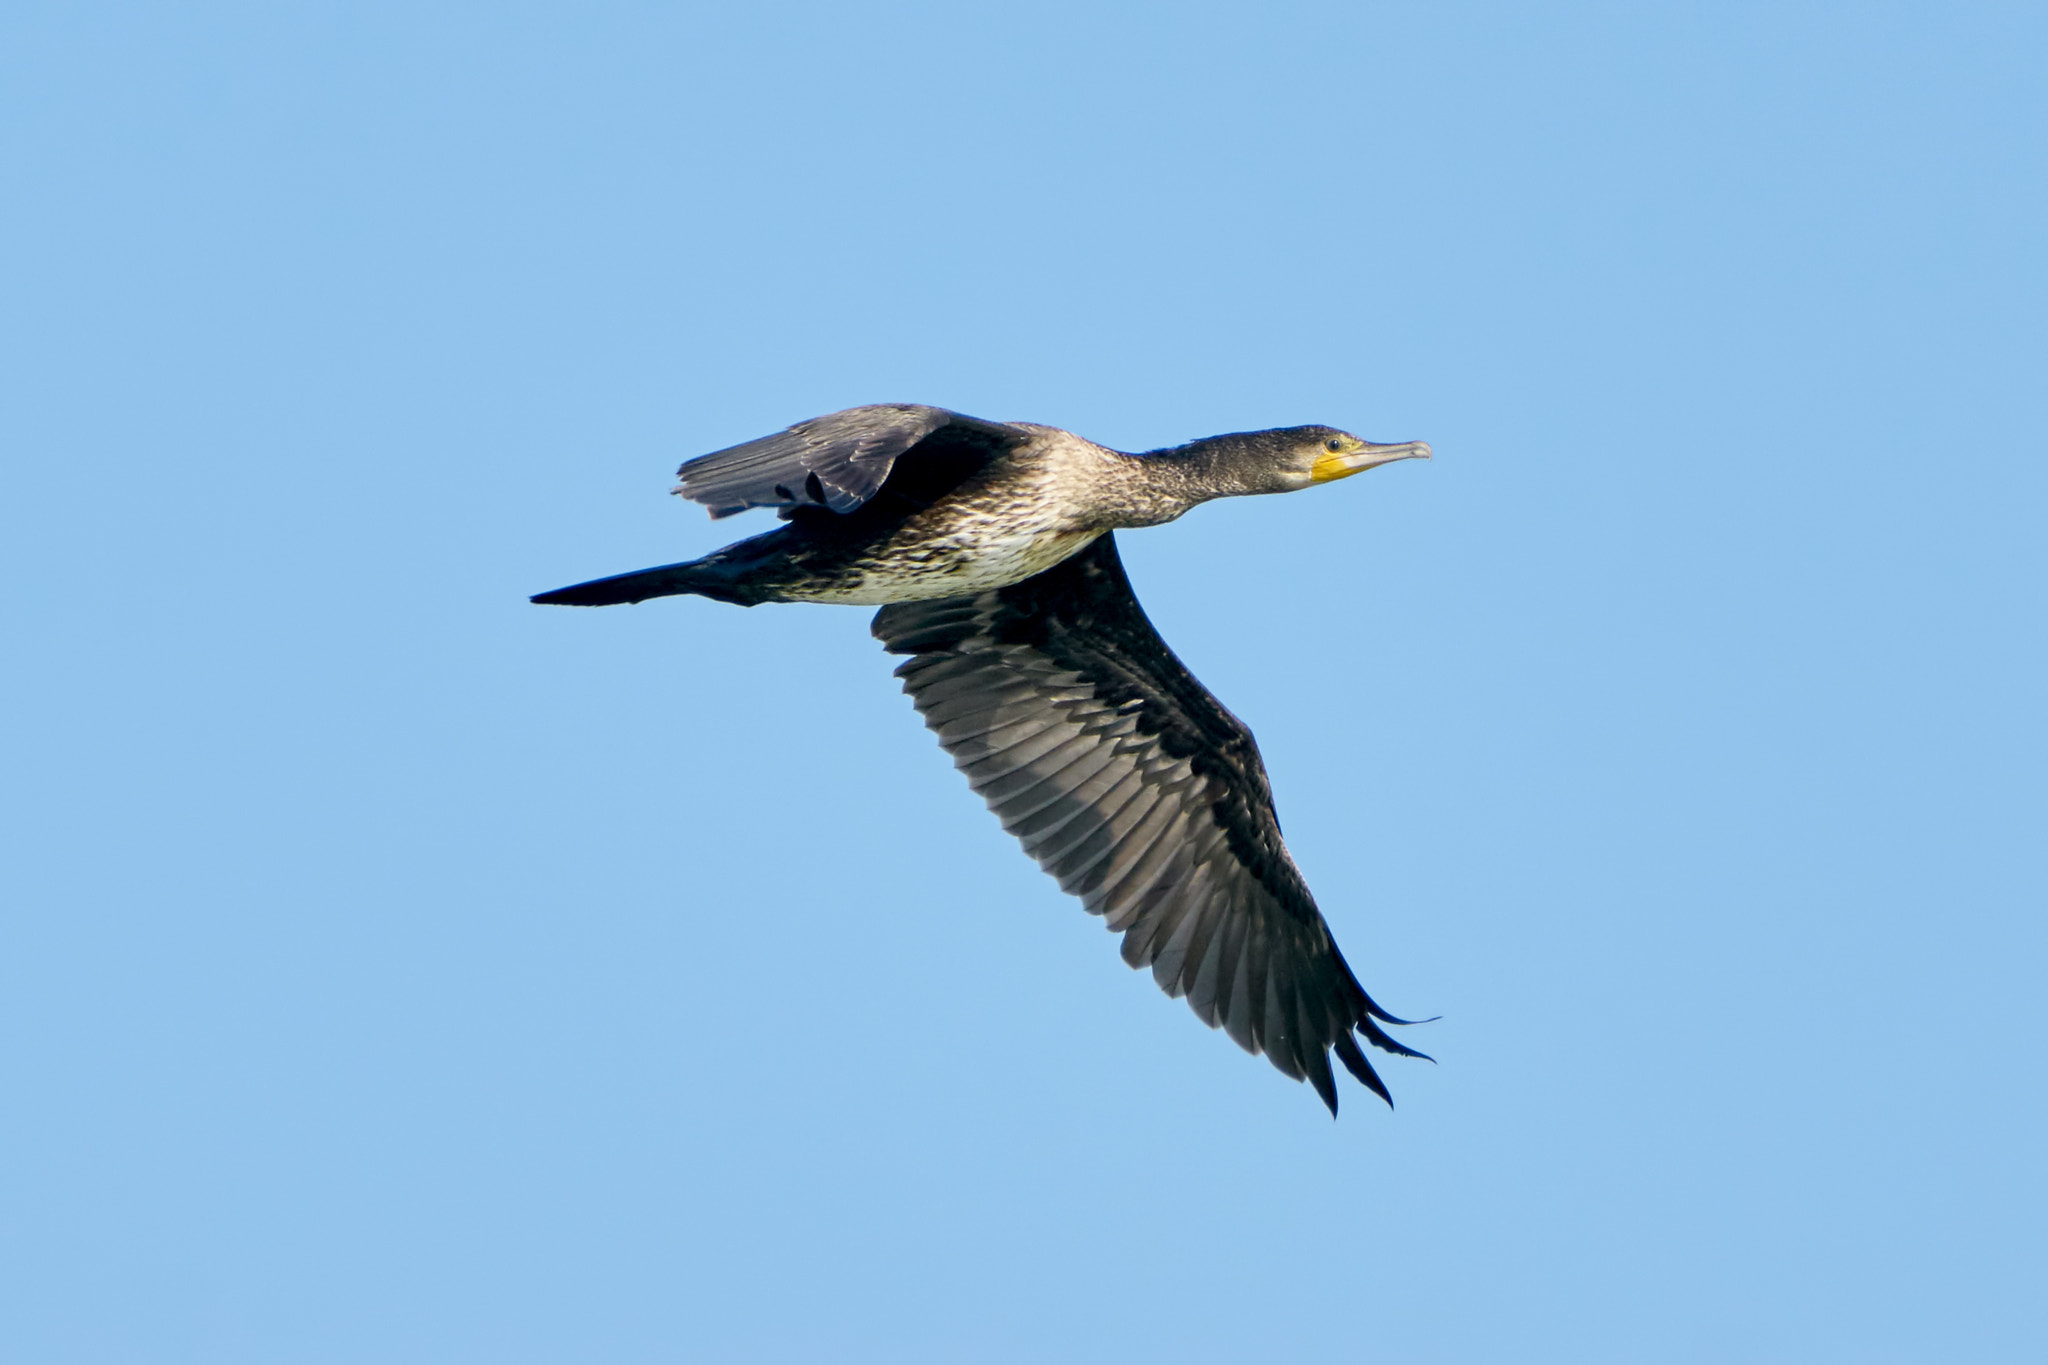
(1314,455)
(1280,460)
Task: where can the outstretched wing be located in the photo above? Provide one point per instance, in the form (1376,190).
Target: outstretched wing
(837,461)
(1142,795)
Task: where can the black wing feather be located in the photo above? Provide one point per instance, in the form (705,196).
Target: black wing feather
(835,462)
(1142,795)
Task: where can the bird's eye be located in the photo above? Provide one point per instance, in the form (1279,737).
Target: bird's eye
(1333,444)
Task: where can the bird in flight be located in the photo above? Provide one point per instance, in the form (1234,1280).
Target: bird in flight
(990,548)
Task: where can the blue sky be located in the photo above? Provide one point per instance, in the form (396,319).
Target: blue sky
(395,971)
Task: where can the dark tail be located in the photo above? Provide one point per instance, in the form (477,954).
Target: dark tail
(743,574)
(667,581)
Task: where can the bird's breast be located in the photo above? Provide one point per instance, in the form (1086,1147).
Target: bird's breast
(921,568)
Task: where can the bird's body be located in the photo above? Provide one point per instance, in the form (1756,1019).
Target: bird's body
(989,548)
(1032,504)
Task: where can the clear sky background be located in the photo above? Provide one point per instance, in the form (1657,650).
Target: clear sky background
(394,971)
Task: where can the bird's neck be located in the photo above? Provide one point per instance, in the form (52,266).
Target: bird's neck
(1160,485)
(1219,465)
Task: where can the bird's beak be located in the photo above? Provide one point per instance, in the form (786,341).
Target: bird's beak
(1343,465)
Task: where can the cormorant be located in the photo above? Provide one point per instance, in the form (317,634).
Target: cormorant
(989,547)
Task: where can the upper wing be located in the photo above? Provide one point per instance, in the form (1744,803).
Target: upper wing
(1131,785)
(837,461)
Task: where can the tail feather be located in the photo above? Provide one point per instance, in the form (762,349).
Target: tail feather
(743,573)
(667,581)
